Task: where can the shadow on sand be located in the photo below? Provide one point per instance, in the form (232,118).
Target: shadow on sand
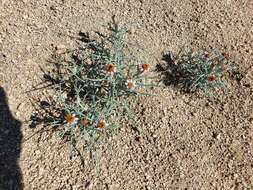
(10,147)
(172,74)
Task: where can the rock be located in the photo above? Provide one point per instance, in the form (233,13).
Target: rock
(28,48)
(60,49)
(88,185)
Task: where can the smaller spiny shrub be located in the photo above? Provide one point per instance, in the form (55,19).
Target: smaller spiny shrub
(198,71)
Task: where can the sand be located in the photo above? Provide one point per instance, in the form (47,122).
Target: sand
(183,141)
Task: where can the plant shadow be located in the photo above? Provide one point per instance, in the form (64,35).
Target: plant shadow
(10,147)
(173,74)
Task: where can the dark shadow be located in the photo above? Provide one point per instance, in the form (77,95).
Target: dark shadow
(10,147)
(173,74)
(166,69)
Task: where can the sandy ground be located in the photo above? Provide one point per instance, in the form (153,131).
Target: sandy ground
(185,142)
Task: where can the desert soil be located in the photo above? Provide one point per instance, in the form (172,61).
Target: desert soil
(184,142)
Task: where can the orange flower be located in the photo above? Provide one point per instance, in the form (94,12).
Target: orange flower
(102,124)
(71,119)
(211,78)
(144,68)
(130,84)
(111,69)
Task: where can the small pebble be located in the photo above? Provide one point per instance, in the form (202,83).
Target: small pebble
(60,49)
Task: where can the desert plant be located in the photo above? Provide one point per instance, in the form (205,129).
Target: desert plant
(198,71)
(92,87)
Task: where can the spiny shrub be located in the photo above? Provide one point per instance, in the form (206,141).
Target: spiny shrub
(94,85)
(198,71)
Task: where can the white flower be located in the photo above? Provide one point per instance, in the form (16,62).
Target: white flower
(71,119)
(102,124)
(130,84)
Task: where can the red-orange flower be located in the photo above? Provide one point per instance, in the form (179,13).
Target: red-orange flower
(211,78)
(111,69)
(144,68)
